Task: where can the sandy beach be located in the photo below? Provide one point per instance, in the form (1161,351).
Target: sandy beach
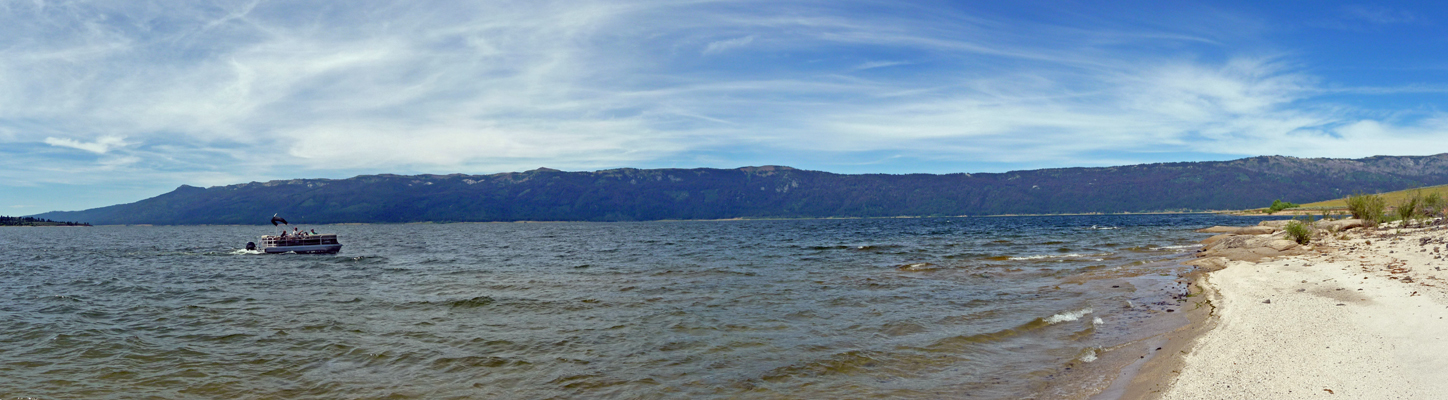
(1360,314)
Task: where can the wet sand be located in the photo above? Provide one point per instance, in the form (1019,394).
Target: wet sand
(1364,316)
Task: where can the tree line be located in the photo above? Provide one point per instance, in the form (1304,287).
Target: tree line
(32,221)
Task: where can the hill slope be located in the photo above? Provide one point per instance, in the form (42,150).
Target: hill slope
(761,192)
(1392,198)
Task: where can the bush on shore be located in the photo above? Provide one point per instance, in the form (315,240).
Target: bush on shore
(1299,231)
(1433,205)
(1408,208)
(1367,207)
(1279,205)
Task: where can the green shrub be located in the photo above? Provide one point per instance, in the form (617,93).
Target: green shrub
(1299,231)
(1279,205)
(1433,205)
(1367,207)
(1407,209)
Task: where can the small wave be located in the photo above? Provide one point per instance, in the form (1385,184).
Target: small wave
(1090,355)
(475,302)
(956,343)
(1185,246)
(916,267)
(1068,316)
(1047,256)
(1097,321)
(876,247)
(1100,228)
(245,251)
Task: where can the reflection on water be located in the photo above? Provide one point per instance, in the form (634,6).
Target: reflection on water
(890,308)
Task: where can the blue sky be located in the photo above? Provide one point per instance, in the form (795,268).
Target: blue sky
(111,102)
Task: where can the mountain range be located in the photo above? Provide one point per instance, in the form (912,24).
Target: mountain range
(773,192)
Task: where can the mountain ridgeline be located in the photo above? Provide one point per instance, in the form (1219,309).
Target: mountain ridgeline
(773,192)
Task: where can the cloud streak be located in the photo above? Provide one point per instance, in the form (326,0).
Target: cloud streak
(99,146)
(728,44)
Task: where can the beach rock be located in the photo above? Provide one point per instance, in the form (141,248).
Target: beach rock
(1250,230)
(1214,239)
(1239,242)
(1220,229)
(1282,245)
(1257,230)
(1340,225)
(1209,264)
(1250,248)
(1275,224)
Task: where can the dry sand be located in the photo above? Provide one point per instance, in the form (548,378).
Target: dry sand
(1362,317)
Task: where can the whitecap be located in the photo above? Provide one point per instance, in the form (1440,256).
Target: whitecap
(1068,316)
(1048,256)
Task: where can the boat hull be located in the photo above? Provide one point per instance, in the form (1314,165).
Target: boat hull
(305,249)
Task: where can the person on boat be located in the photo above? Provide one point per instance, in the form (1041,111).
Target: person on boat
(314,231)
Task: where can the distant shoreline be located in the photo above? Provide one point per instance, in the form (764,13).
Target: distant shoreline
(731,219)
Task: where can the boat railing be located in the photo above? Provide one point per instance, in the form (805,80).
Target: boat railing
(302,240)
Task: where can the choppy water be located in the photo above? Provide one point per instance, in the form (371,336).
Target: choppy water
(884,308)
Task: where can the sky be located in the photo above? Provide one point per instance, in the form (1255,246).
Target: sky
(109,102)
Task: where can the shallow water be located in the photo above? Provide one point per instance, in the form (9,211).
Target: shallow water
(883,308)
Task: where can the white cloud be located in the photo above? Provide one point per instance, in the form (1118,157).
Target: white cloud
(111,163)
(878,64)
(99,146)
(1378,14)
(721,46)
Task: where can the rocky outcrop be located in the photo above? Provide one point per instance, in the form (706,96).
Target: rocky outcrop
(1251,248)
(1253,243)
(1279,223)
(1327,225)
(1210,264)
(1241,230)
(1340,225)
(1214,239)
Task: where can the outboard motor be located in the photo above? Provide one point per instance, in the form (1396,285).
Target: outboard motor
(251,246)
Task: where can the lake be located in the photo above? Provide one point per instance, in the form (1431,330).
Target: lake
(994,307)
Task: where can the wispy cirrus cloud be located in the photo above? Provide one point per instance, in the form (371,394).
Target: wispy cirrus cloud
(100,146)
(878,64)
(1378,14)
(720,46)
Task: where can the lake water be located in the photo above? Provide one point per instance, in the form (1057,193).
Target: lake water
(860,308)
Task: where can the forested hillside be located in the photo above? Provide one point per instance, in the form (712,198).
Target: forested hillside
(773,192)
